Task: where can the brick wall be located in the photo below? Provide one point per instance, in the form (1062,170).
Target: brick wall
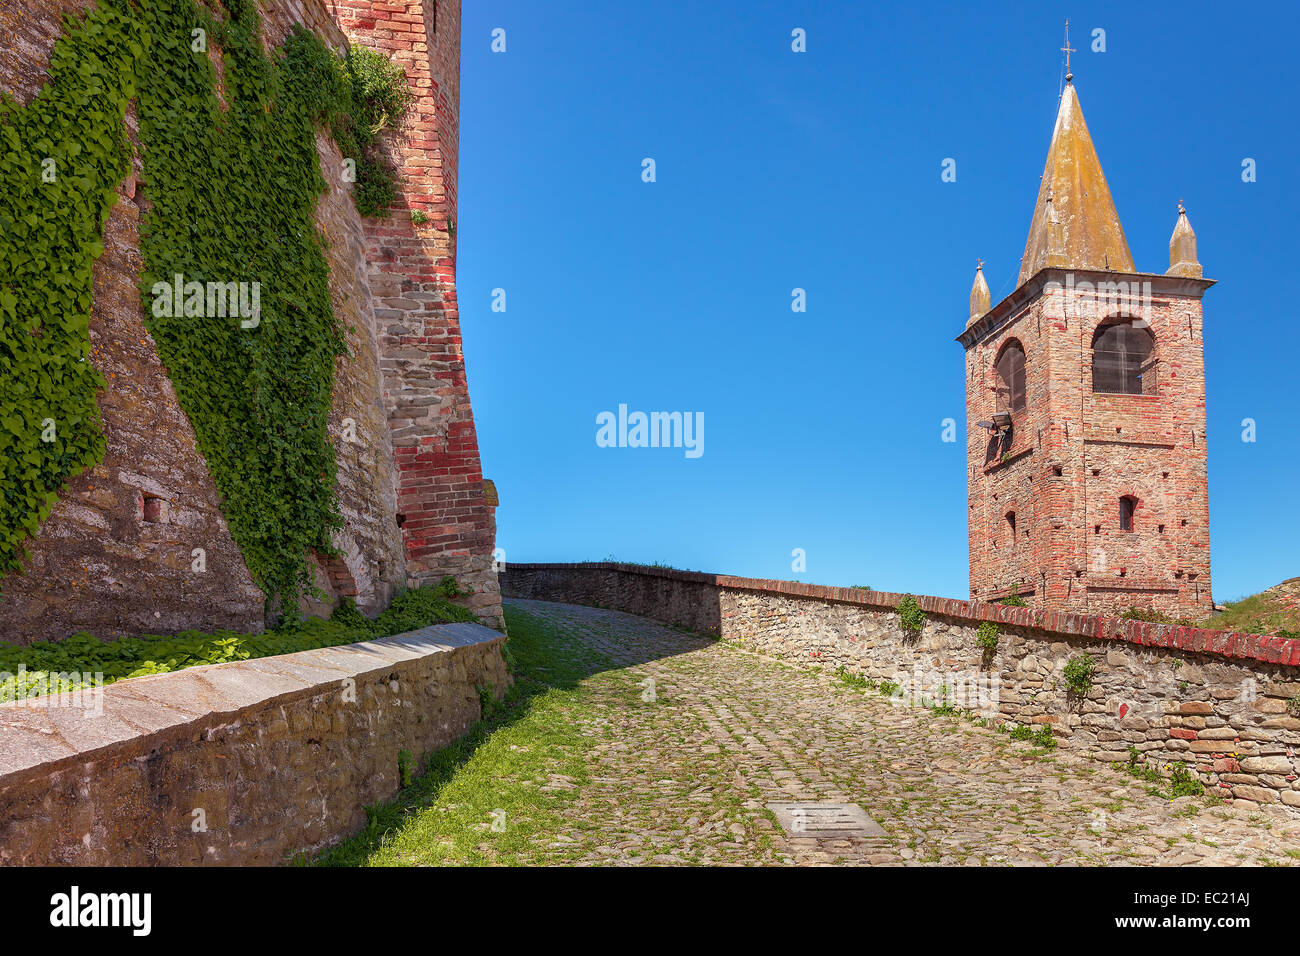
(245,763)
(1072,454)
(447,525)
(1218,702)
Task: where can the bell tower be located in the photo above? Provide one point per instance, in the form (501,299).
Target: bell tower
(1085,406)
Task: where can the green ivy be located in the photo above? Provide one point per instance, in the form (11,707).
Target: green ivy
(375,95)
(233,192)
(231,182)
(61,158)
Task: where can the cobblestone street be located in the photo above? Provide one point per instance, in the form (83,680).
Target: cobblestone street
(687,740)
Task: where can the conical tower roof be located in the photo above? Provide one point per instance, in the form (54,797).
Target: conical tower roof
(1075,225)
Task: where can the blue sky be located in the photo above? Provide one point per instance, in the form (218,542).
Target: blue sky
(821,171)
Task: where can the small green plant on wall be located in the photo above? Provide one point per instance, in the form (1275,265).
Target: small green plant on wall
(404,772)
(1078,674)
(910,616)
(1041,736)
(986,637)
(374,96)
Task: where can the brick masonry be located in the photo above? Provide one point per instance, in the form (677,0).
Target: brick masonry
(116,555)
(1071,454)
(447,524)
(1219,702)
(245,763)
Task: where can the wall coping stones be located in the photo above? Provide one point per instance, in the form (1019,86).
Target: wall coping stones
(1233,645)
(41,736)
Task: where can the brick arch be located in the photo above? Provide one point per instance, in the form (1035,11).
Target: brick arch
(341,579)
(1118,318)
(1012,381)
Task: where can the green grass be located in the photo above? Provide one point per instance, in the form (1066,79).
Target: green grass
(1181,782)
(72,663)
(1262,613)
(496,771)
(1268,612)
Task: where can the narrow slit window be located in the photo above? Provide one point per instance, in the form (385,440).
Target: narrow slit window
(155,510)
(1127,505)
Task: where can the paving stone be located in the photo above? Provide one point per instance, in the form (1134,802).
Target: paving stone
(689,776)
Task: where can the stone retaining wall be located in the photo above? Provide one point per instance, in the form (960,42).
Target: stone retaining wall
(1217,701)
(240,763)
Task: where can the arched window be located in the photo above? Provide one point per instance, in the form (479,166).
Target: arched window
(1123,359)
(1010,368)
(1011,527)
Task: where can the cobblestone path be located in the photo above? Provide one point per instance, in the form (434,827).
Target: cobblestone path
(682,770)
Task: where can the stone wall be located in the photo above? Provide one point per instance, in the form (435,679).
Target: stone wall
(97,563)
(1221,703)
(242,763)
(116,556)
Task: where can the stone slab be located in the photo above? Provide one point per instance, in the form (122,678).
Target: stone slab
(826,821)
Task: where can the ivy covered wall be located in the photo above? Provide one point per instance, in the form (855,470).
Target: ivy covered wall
(225,452)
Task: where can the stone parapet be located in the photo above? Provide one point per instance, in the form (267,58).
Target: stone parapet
(243,763)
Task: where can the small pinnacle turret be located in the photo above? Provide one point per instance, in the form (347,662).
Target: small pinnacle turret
(980,301)
(1182,248)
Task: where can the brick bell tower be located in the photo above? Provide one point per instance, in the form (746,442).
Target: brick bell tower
(1085,407)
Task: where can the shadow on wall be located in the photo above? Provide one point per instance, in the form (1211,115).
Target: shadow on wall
(683,598)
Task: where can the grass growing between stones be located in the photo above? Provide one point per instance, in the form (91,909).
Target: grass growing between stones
(496,795)
(1040,736)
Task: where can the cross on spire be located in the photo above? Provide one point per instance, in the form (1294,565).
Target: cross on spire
(1067,50)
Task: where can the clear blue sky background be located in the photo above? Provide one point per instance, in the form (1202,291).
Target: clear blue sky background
(821,170)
